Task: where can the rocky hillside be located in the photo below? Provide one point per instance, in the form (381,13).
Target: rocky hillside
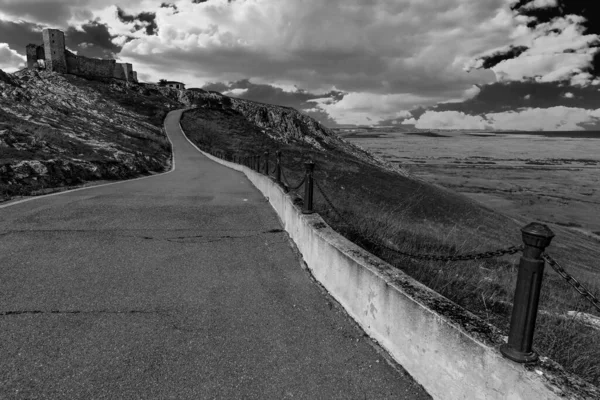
(284,124)
(58,130)
(62,130)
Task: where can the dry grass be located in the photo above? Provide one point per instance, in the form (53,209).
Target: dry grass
(422,218)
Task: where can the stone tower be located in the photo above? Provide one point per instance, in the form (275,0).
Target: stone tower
(54,48)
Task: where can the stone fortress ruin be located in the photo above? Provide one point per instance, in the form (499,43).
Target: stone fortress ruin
(53,56)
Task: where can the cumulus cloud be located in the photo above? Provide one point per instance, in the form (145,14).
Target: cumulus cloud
(536,4)
(236,92)
(363,61)
(10,60)
(368,108)
(559,118)
(92,40)
(358,49)
(18,34)
(144,19)
(548,44)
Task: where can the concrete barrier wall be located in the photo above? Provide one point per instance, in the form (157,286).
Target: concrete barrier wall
(449,351)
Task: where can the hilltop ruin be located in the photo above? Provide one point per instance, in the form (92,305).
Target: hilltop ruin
(52,55)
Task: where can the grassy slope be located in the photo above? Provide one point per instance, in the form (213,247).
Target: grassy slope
(420,217)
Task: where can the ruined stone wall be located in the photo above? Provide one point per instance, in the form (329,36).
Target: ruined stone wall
(125,71)
(31,51)
(35,56)
(54,48)
(119,72)
(79,65)
(57,58)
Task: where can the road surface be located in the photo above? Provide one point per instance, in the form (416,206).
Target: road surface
(177,286)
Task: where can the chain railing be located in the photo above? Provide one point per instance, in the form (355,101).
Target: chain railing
(536,237)
(572,281)
(429,257)
(287,183)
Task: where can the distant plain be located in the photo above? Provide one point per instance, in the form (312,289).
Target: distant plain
(551,177)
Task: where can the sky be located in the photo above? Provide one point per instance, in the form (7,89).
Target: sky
(452,64)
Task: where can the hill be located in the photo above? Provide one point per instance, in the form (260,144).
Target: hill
(59,130)
(377,203)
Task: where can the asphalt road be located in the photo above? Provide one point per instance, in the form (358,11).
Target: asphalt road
(177,286)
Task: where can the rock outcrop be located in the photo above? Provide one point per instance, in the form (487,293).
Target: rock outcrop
(58,130)
(282,123)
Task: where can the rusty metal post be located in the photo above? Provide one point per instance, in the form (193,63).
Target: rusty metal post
(278,166)
(266,163)
(536,238)
(308,188)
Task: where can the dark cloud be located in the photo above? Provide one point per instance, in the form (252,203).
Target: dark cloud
(582,8)
(20,34)
(269,94)
(94,40)
(51,11)
(512,96)
(496,58)
(500,97)
(148,17)
(168,5)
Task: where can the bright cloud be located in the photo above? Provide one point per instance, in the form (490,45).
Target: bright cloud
(369,108)
(533,119)
(10,60)
(235,92)
(385,56)
(553,51)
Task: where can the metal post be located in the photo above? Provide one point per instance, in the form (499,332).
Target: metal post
(257,164)
(278,166)
(266,163)
(527,294)
(308,188)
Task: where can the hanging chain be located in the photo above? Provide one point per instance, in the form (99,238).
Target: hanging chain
(432,257)
(572,281)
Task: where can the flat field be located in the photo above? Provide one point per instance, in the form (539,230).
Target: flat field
(552,178)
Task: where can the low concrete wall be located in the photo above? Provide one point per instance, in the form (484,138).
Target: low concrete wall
(449,351)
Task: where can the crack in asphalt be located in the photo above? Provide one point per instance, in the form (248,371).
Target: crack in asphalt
(21,312)
(185,239)
(175,239)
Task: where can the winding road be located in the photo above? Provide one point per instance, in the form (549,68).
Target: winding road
(176,286)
